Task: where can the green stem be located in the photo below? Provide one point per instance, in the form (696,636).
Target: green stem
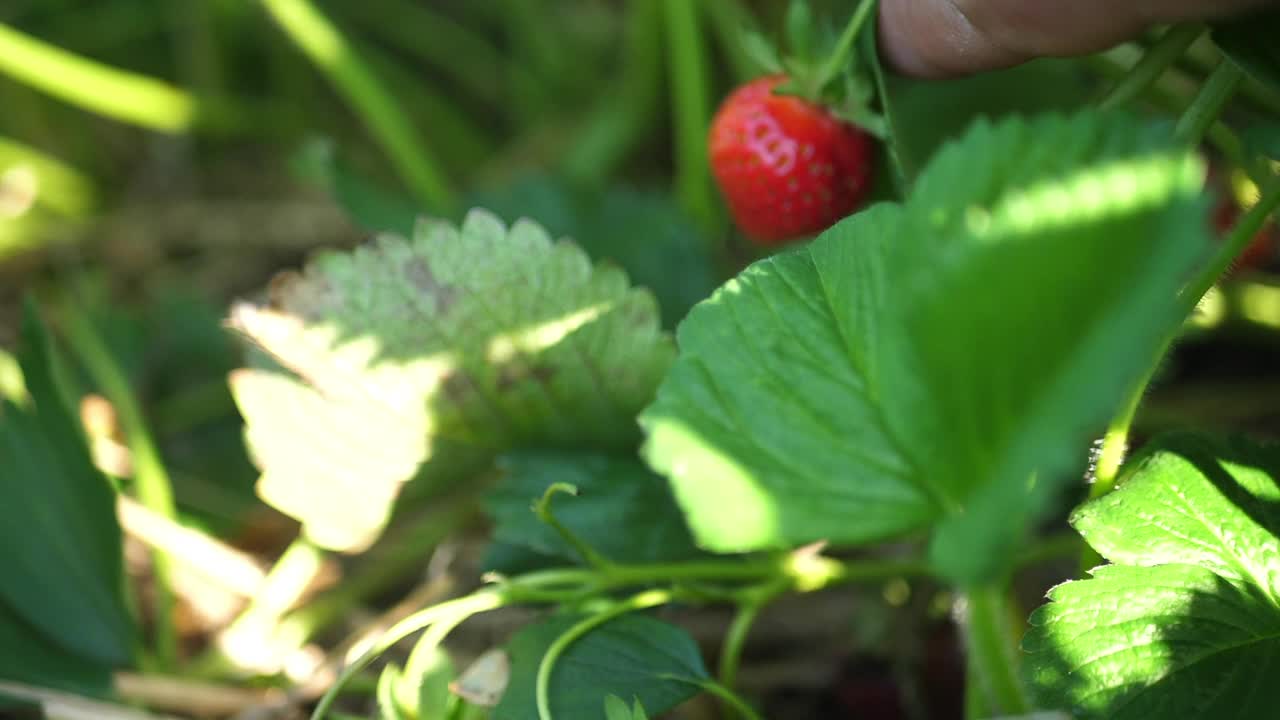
(542,683)
(321,41)
(1236,241)
(991,650)
(256,628)
(543,510)
(976,706)
(405,23)
(404,554)
(1210,101)
(108,91)
(195,46)
(1115,443)
(839,56)
(1172,99)
(447,614)
(735,641)
(151,479)
(691,113)
(1154,62)
(1204,57)
(749,606)
(469,146)
(424,651)
(1195,122)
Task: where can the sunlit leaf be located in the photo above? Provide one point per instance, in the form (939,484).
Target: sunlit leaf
(1186,621)
(427,357)
(919,365)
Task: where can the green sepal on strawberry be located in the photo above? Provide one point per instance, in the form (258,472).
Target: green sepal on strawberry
(793,151)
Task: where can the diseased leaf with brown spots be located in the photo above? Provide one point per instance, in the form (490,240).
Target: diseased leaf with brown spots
(423,358)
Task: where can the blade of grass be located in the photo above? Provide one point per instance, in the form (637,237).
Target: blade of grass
(403,24)
(108,91)
(1209,104)
(151,478)
(468,146)
(1153,63)
(538,50)
(195,46)
(691,113)
(619,121)
(322,42)
(62,188)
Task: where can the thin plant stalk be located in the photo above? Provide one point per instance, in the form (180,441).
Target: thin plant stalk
(151,478)
(1171,46)
(329,50)
(117,94)
(1208,105)
(691,112)
(991,649)
(619,121)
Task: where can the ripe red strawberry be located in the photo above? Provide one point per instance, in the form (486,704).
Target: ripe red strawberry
(787,167)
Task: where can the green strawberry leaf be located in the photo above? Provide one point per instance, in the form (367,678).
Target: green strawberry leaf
(1186,621)
(644,232)
(63,560)
(28,655)
(428,357)
(634,656)
(622,509)
(1250,42)
(925,114)
(917,366)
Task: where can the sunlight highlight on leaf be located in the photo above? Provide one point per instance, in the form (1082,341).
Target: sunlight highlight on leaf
(1185,622)
(915,365)
(424,358)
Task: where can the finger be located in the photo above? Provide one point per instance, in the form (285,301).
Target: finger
(940,38)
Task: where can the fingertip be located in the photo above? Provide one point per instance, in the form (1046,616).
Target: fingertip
(935,39)
(898,40)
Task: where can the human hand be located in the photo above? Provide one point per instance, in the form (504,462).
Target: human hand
(940,38)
